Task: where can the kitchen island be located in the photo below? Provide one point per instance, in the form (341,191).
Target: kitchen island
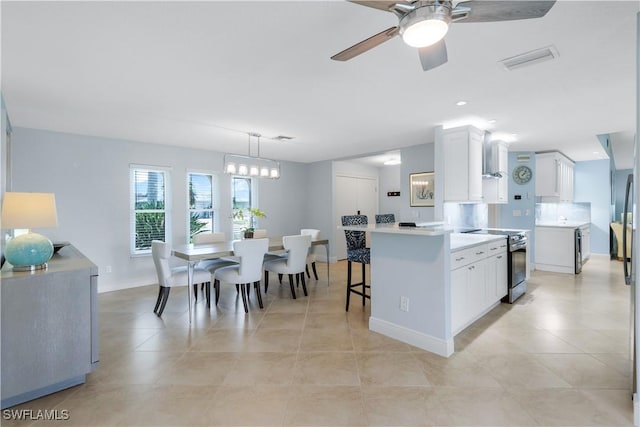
(411,292)
(562,246)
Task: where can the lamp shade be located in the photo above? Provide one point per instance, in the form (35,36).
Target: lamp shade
(29,210)
(29,251)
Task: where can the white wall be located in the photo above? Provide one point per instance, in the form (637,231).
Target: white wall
(90,178)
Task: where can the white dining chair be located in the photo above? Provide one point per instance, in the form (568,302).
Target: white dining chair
(312,256)
(211,265)
(169,277)
(261,233)
(294,263)
(249,270)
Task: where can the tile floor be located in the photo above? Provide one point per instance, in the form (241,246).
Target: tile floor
(558,357)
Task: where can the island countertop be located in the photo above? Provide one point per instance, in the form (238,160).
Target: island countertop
(461,241)
(423,229)
(562,224)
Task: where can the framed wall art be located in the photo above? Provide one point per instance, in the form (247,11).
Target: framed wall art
(422,191)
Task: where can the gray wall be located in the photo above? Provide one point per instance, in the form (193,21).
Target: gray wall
(415,159)
(90,178)
(390,177)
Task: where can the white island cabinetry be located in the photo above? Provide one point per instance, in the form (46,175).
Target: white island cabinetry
(421,294)
(478,281)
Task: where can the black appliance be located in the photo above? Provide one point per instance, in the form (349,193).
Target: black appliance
(578,251)
(516,260)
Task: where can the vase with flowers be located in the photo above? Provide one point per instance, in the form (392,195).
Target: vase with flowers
(251,213)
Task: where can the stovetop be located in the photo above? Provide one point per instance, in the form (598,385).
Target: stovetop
(512,235)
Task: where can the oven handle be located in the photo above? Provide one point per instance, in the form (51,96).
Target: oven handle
(518,246)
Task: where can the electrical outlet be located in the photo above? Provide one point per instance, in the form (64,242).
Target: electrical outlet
(404,304)
(107,269)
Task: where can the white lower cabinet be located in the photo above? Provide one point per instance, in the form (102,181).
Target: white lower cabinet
(497,285)
(555,249)
(478,281)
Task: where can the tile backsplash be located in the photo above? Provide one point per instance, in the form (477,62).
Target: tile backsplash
(551,212)
(466,215)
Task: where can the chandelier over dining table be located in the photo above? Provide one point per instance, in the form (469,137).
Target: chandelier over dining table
(255,166)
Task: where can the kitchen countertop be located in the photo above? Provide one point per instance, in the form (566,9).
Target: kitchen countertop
(461,241)
(562,224)
(421,229)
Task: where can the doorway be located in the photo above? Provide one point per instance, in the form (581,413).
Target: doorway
(353,194)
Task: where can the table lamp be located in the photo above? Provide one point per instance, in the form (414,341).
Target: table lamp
(29,251)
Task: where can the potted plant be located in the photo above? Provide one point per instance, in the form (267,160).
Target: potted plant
(253,213)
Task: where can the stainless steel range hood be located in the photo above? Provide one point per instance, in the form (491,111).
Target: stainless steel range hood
(490,163)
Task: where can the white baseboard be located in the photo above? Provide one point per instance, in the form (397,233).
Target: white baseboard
(417,339)
(555,268)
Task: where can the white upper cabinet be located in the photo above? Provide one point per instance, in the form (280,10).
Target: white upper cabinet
(462,164)
(496,189)
(554,177)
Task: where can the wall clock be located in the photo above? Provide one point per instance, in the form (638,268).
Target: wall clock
(522,174)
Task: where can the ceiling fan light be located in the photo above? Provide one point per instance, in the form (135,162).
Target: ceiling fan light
(425,33)
(426,25)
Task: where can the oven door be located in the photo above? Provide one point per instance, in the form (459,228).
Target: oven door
(518,265)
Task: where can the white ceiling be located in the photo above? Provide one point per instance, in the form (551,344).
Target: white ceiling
(202,74)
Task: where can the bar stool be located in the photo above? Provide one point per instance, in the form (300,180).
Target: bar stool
(357,251)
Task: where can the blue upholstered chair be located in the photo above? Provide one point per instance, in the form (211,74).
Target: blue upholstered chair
(357,251)
(385,219)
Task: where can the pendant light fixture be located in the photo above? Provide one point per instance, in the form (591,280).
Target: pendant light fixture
(258,167)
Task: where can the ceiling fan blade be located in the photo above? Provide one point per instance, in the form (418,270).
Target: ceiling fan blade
(490,11)
(367,44)
(433,56)
(381,4)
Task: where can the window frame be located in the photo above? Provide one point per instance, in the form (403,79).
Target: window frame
(166,171)
(215,222)
(236,228)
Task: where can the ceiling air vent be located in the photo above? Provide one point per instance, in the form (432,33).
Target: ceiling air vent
(283,138)
(529,58)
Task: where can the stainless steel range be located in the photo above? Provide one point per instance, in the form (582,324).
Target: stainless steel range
(516,261)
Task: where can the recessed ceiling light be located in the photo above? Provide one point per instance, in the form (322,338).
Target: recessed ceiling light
(492,121)
(461,103)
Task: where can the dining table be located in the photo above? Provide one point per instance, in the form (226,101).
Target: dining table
(196,253)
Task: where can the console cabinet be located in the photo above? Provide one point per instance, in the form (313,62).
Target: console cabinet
(49,327)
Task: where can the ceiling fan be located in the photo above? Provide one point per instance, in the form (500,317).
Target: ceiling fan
(424,23)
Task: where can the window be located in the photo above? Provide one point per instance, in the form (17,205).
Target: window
(241,193)
(201,212)
(150,212)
